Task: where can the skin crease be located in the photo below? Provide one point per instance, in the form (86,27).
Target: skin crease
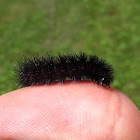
(69,111)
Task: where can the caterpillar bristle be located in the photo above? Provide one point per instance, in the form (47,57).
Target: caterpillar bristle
(47,69)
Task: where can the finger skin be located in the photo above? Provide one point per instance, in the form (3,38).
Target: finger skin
(70,111)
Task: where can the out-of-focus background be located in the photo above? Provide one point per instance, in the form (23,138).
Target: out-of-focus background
(107,28)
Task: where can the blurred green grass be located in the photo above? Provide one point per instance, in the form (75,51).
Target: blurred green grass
(109,29)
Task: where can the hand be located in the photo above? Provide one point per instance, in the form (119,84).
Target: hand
(70,111)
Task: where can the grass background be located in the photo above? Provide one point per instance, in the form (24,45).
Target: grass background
(108,29)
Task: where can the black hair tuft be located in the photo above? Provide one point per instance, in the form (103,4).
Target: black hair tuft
(47,69)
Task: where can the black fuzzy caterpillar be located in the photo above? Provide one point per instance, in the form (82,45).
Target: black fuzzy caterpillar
(47,69)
